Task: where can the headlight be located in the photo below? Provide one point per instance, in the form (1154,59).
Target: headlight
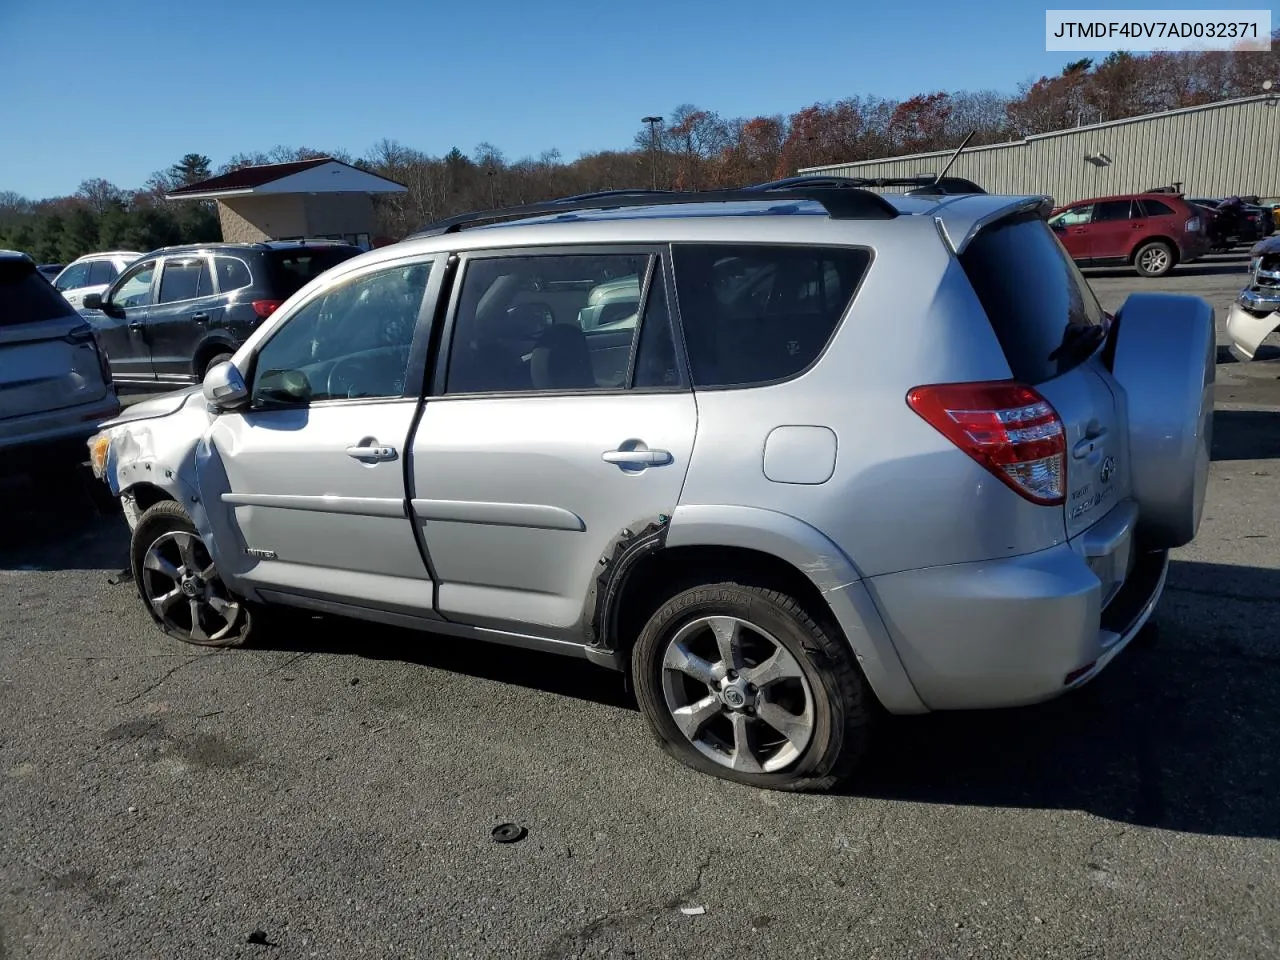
(99,444)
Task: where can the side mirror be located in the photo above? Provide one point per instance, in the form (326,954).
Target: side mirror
(284,387)
(92,301)
(224,387)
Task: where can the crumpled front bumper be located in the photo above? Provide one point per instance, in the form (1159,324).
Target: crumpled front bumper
(1248,325)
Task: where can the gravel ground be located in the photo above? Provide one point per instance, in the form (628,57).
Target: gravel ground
(334,795)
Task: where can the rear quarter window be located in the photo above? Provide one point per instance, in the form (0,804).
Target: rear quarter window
(755,314)
(1032,294)
(27,297)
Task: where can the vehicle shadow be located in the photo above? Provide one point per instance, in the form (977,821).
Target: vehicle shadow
(1177,733)
(1246,435)
(58,520)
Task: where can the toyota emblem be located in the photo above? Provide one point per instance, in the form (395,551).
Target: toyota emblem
(1107,471)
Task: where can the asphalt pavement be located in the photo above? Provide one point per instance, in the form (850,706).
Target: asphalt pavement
(333,794)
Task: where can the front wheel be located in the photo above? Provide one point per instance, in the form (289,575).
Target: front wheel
(1154,259)
(179,584)
(743,683)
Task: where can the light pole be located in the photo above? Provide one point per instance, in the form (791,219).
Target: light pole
(653,145)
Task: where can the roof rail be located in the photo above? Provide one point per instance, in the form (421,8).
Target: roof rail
(925,184)
(842,202)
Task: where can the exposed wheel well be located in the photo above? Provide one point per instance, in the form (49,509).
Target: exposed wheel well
(1168,241)
(206,353)
(666,572)
(147,495)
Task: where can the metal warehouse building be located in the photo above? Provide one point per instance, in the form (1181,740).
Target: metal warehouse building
(1216,150)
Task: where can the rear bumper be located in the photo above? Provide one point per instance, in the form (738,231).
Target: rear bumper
(1020,630)
(1195,246)
(38,431)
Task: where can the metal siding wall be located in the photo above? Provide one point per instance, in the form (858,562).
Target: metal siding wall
(1215,152)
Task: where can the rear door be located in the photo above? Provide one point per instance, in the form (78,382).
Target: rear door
(543,445)
(1051,328)
(1111,230)
(186,308)
(47,358)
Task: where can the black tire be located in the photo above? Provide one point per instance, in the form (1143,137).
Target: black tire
(840,698)
(1154,259)
(168,517)
(213,362)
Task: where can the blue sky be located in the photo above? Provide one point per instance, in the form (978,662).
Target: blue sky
(121,88)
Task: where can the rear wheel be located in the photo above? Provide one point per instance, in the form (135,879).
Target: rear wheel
(179,583)
(1154,259)
(745,684)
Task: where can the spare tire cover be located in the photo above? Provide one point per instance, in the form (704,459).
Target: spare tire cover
(1165,357)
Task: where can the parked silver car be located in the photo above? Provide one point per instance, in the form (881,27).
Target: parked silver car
(857,451)
(55,386)
(92,273)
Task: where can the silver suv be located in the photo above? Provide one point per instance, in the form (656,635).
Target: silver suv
(859,452)
(55,386)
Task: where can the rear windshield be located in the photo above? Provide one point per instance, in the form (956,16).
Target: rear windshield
(291,270)
(1033,295)
(27,297)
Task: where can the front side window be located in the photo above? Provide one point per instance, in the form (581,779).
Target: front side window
(134,289)
(1074,217)
(549,322)
(756,314)
(185,280)
(351,342)
(76,275)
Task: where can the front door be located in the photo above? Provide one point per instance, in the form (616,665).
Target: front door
(311,476)
(1072,228)
(185,310)
(121,323)
(545,443)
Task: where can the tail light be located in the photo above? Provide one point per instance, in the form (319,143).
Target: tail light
(265,308)
(86,334)
(1192,225)
(1005,426)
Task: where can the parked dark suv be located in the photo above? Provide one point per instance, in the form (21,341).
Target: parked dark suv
(179,310)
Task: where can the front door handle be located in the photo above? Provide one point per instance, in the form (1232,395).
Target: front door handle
(369,450)
(136,326)
(642,457)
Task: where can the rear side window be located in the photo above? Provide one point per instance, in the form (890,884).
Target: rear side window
(26,296)
(185,280)
(756,314)
(1156,208)
(1111,210)
(1032,293)
(291,270)
(233,274)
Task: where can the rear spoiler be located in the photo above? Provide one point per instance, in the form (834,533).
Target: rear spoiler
(1040,206)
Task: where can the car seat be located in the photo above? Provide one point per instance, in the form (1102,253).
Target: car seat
(561,360)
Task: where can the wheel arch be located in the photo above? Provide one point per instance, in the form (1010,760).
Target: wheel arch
(207,350)
(704,544)
(1157,238)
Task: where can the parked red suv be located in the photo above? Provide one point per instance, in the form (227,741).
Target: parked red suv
(1149,231)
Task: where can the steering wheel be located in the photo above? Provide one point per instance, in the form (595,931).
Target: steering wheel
(348,377)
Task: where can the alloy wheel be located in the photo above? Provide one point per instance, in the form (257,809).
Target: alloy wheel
(737,694)
(185,593)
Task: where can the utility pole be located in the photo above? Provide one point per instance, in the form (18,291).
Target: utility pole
(653,145)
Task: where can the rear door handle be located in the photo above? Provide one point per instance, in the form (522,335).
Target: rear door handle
(637,458)
(1088,445)
(200,318)
(370,451)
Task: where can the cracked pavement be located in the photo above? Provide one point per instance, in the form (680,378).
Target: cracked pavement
(337,790)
